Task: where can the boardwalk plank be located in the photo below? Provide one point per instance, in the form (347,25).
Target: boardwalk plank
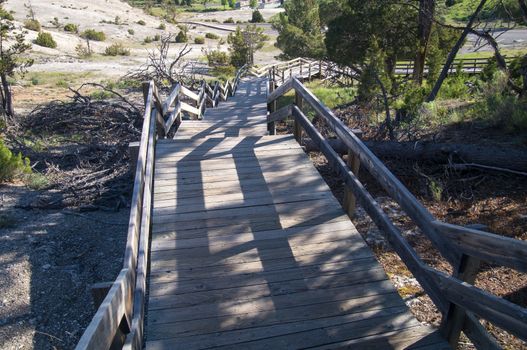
(250,249)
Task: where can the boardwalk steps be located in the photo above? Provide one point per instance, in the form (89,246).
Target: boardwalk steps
(236,241)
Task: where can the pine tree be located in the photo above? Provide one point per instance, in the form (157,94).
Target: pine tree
(300,32)
(11,59)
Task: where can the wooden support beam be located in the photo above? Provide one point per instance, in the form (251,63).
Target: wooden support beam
(454,319)
(271,126)
(297,131)
(350,201)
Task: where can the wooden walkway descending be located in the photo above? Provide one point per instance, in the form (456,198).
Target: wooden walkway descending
(250,249)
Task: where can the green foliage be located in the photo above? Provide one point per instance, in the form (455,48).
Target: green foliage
(244,44)
(117,49)
(217,58)
(461,10)
(224,73)
(199,40)
(300,31)
(257,17)
(253,4)
(141,22)
(182,37)
(46,40)
(32,24)
(365,23)
(72,28)
(162,26)
(5,15)
(12,165)
(101,95)
(131,31)
(212,36)
(499,107)
(229,20)
(92,34)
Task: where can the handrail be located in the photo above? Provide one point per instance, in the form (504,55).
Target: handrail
(121,314)
(455,296)
(327,69)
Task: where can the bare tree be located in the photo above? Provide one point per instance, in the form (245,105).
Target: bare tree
(161,66)
(453,53)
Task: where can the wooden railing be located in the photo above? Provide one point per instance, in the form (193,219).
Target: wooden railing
(306,69)
(119,320)
(460,302)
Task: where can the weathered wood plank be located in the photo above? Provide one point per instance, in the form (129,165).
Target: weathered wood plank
(299,334)
(296,313)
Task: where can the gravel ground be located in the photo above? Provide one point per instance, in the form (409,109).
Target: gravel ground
(48,260)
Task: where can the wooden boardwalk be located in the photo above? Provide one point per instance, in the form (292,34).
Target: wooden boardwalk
(250,249)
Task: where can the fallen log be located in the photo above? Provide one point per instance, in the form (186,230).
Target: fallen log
(441,153)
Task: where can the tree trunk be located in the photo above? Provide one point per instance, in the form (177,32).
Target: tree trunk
(453,53)
(7,103)
(441,153)
(523,8)
(426,16)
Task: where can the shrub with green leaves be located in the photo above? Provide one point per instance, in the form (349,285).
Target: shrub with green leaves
(182,37)
(6,15)
(72,28)
(141,22)
(229,20)
(162,26)
(46,40)
(92,34)
(212,36)
(199,40)
(117,49)
(12,165)
(131,31)
(32,24)
(257,17)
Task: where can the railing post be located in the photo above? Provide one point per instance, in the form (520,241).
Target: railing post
(309,74)
(453,321)
(271,127)
(350,201)
(301,70)
(297,129)
(320,69)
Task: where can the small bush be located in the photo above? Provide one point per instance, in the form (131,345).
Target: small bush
(117,49)
(92,34)
(157,37)
(199,40)
(32,24)
(257,17)
(5,15)
(229,20)
(182,37)
(45,40)
(72,28)
(12,165)
(212,36)
(141,22)
(131,31)
(162,26)
(217,58)
(83,51)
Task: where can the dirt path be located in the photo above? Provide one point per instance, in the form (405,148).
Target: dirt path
(48,260)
